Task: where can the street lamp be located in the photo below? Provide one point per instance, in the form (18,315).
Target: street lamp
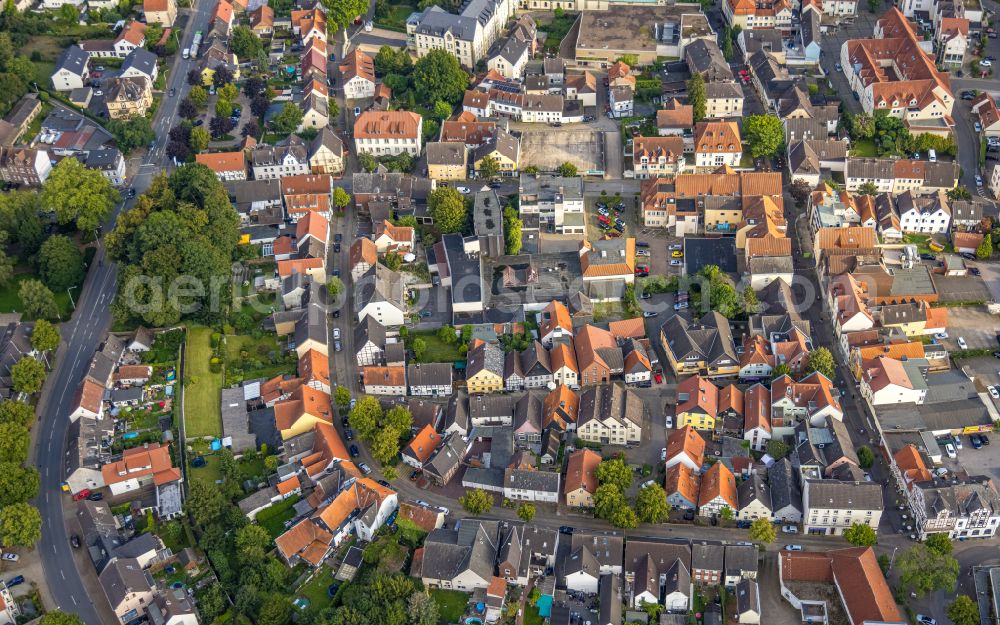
(68,292)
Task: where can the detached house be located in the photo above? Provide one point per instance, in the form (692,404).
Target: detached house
(717,144)
(382,133)
(358,75)
(697,403)
(705,347)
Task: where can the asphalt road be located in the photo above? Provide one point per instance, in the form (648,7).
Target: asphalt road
(81,337)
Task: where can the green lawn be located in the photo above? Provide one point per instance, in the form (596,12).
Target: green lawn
(11,302)
(556,30)
(863,147)
(202,388)
(273,519)
(437,350)
(531,616)
(451,603)
(920,240)
(396,18)
(209,473)
(316,590)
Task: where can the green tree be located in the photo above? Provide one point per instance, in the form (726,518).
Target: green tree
(20,525)
(750,302)
(288,119)
(860,535)
(342,12)
(726,513)
(777,449)
(696,96)
(489,167)
(245,43)
(198,96)
(963,611)
(567,170)
(398,417)
(252,543)
(212,602)
(133,133)
(60,263)
(62,618)
(271,463)
(392,260)
(868,188)
(820,360)
(939,544)
(442,110)
(476,501)
(18,484)
(184,225)
(985,249)
(223,108)
(276,610)
(365,416)
(615,472)
(421,609)
(961,192)
(334,286)
(922,570)
(38,300)
(20,219)
(512,227)
(77,194)
(44,336)
(342,396)
(780,370)
(446,334)
(611,505)
(861,126)
(447,207)
(17,412)
(762,531)
(866,458)
(437,76)
(205,502)
(526,512)
(27,375)
(341,198)
(200,139)
(651,504)
(419,347)
(764,134)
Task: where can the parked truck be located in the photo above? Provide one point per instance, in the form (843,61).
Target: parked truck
(194,45)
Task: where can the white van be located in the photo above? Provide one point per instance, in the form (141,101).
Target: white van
(187,53)
(932,156)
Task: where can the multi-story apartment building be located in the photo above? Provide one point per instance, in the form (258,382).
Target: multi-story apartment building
(832,506)
(468,35)
(556,200)
(895,72)
(610,415)
(388,133)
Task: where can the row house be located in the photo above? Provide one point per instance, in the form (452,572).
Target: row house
(832,506)
(610,415)
(388,133)
(899,176)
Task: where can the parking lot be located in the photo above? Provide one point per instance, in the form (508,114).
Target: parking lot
(961,288)
(975,325)
(547,149)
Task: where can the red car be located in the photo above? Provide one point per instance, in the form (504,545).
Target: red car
(83,494)
(658,378)
(603,219)
(642,269)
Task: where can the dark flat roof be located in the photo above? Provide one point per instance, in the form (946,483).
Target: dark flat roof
(702,251)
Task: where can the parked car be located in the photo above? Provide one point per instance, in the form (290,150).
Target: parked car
(463,190)
(668,422)
(974,271)
(649,313)
(663,455)
(985,438)
(789,529)
(977,443)
(336,248)
(646,483)
(928,257)
(15,581)
(415,474)
(793,547)
(353,450)
(348,434)
(979,180)
(674,246)
(958,443)
(566,529)
(95,496)
(744,524)
(675,263)
(677,254)
(365,469)
(923,619)
(74,540)
(11,557)
(941,336)
(962,343)
(658,378)
(83,494)
(950,450)
(644,295)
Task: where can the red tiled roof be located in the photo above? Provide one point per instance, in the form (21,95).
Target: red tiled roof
(581,468)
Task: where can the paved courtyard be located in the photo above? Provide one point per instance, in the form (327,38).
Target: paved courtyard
(547,149)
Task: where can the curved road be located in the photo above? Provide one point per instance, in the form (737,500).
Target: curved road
(82,335)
